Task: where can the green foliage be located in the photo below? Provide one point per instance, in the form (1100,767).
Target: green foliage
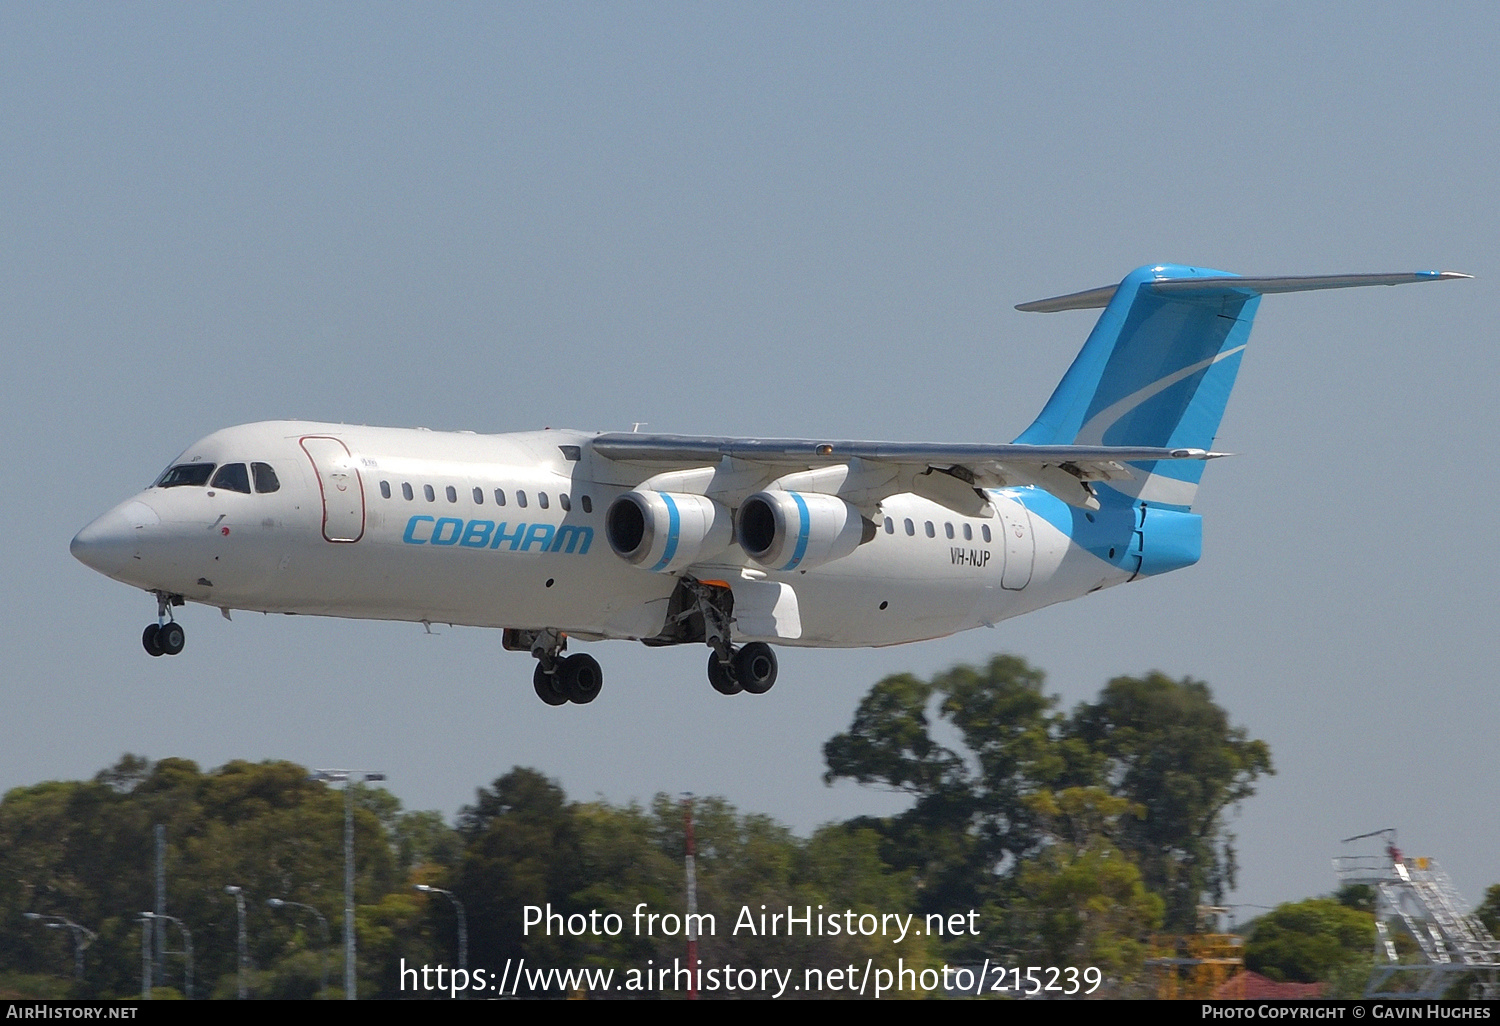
(1489,910)
(1082,898)
(1168,748)
(87,851)
(978,832)
(1311,941)
(969,816)
(1357,896)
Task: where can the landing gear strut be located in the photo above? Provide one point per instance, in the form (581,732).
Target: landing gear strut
(165,636)
(557,679)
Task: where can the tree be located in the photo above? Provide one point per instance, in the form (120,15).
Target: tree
(1489,910)
(521,847)
(1168,748)
(1309,941)
(1082,900)
(86,850)
(1161,746)
(969,819)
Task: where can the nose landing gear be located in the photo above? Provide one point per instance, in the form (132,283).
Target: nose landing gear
(165,636)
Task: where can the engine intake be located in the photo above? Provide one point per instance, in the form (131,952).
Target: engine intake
(666,531)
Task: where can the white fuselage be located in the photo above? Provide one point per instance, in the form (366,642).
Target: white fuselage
(399,524)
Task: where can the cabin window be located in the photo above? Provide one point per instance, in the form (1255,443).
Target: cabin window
(520,498)
(565,502)
(406,490)
(968,532)
(232,477)
(431,495)
(929,529)
(499,496)
(479,496)
(385,489)
(911,528)
(541,499)
(266,480)
(186,475)
(890,526)
(948,530)
(985,529)
(588,504)
(452,494)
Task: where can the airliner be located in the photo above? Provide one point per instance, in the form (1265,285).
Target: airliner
(740,544)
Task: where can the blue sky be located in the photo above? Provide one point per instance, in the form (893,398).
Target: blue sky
(762,220)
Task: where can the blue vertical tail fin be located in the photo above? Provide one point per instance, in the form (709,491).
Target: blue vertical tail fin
(1159,365)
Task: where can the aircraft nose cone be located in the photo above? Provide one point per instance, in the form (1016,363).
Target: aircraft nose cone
(109,543)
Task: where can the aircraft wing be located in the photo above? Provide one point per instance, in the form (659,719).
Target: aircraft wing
(952,474)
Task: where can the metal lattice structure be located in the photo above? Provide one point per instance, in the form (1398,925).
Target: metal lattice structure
(1415,898)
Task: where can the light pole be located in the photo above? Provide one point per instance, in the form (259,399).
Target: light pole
(463,924)
(79,935)
(146,950)
(349,779)
(187,946)
(322,925)
(239,907)
(690,866)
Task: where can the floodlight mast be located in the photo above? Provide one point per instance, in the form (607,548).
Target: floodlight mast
(348,777)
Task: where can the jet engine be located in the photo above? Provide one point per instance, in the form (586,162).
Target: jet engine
(799,530)
(666,531)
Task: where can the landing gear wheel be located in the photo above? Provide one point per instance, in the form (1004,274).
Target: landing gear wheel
(755,667)
(580,678)
(546,687)
(171,638)
(150,640)
(722,677)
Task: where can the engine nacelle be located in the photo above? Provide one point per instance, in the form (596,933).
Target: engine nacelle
(799,530)
(666,531)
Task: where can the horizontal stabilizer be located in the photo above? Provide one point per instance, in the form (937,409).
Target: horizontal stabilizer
(1223,285)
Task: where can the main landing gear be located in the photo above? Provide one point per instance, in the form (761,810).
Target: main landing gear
(751,669)
(165,636)
(559,679)
(703,611)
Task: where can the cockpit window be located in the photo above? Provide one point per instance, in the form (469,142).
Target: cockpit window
(265,478)
(185,475)
(232,478)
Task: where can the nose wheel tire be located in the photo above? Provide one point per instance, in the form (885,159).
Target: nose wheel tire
(163,639)
(576,679)
(546,687)
(580,678)
(755,667)
(171,638)
(722,677)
